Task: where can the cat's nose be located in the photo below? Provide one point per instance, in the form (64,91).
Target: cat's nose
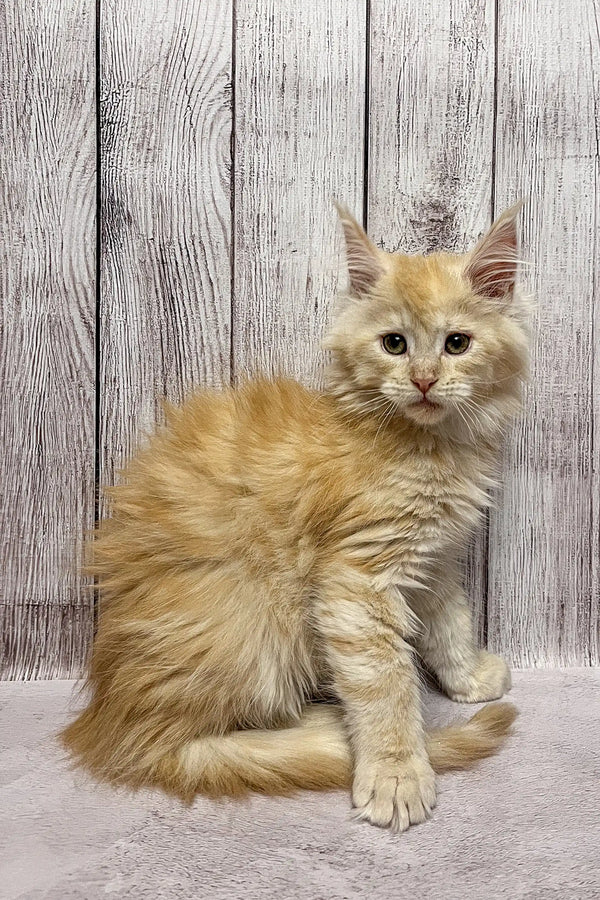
(423,383)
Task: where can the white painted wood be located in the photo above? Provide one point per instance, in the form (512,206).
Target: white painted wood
(290,79)
(47,198)
(543,563)
(299,105)
(165,268)
(431,119)
(431,123)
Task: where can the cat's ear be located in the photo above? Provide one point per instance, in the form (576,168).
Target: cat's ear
(366,262)
(492,265)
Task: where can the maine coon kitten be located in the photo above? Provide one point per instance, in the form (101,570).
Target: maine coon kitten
(274,544)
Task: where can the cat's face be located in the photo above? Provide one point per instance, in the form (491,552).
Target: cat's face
(437,339)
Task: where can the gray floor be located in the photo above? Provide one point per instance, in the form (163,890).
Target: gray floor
(523,825)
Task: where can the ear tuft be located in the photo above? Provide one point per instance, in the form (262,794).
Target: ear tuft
(492,265)
(366,263)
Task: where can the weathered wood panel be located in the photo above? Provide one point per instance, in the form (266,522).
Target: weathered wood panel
(165,163)
(431,120)
(299,127)
(47,205)
(313,91)
(543,563)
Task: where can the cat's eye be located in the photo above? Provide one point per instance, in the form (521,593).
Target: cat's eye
(457,343)
(394,344)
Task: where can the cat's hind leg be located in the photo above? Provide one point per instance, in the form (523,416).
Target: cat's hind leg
(447,645)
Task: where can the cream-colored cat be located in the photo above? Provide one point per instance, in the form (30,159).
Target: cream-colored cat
(275,544)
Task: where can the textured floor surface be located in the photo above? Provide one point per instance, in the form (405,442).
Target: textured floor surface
(523,825)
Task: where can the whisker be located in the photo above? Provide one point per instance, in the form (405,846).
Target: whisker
(496,380)
(462,414)
(385,419)
(482,412)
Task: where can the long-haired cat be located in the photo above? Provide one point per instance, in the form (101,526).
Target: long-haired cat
(273,545)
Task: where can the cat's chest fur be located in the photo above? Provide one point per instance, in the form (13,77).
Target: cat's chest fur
(423,504)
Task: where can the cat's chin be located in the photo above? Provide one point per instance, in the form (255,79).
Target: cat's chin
(425,412)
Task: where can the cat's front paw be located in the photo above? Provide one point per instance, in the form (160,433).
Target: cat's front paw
(489,681)
(394,794)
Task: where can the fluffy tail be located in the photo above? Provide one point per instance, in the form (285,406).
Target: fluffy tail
(459,746)
(313,755)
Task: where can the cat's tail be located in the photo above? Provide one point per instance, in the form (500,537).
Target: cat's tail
(459,746)
(313,755)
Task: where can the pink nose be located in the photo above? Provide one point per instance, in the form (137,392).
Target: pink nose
(423,383)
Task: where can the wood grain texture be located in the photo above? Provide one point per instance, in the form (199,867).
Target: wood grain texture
(299,128)
(543,601)
(165,163)
(47,205)
(225,136)
(431,120)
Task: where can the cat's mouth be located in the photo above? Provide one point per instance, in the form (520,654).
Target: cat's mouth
(426,410)
(426,403)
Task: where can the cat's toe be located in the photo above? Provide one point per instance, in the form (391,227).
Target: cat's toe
(395,795)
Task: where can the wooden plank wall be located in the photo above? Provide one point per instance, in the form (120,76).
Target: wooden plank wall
(47,367)
(298,133)
(226,129)
(166,112)
(544,553)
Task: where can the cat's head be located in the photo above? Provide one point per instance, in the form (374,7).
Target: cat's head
(440,340)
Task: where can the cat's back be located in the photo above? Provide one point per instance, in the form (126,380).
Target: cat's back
(230,467)
(251,432)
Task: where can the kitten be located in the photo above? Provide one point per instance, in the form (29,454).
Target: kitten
(275,544)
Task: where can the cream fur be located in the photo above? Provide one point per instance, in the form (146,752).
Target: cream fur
(274,545)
